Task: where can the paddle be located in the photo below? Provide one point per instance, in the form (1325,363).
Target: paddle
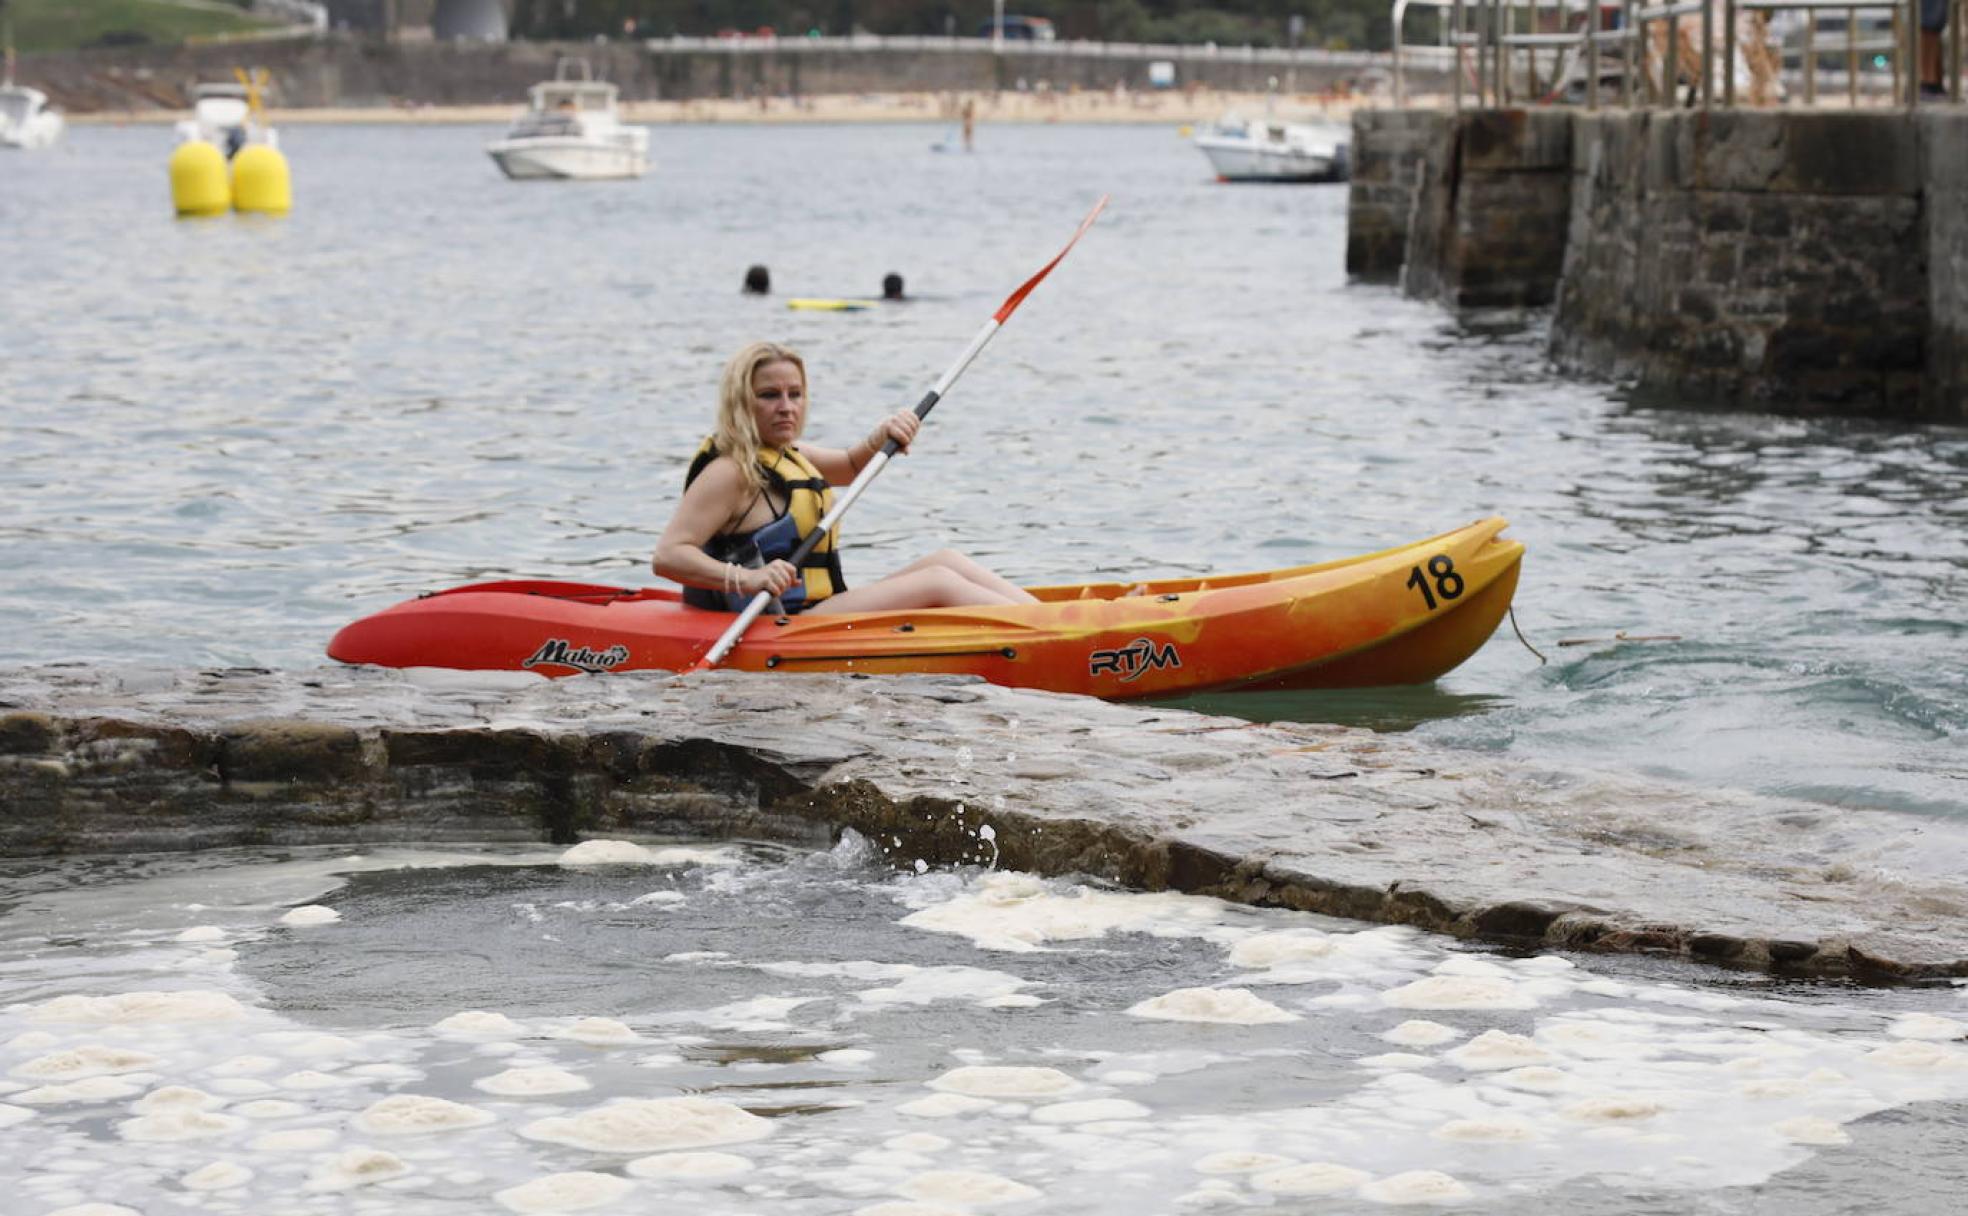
(716,653)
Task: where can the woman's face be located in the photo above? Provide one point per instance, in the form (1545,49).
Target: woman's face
(778,402)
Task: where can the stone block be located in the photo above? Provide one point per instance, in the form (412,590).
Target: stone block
(280,750)
(1515,140)
(25,733)
(1800,151)
(478,750)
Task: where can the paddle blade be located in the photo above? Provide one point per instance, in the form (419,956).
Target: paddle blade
(1018,297)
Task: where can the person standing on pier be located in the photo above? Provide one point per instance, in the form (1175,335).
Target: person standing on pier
(1933,23)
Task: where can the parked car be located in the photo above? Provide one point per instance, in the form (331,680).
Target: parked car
(1021,29)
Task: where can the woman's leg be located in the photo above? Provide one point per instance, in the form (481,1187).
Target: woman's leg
(950,559)
(919,586)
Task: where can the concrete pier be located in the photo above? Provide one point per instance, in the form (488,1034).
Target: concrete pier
(953,772)
(1794,260)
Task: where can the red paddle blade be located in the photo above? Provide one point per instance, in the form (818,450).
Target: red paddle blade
(1018,297)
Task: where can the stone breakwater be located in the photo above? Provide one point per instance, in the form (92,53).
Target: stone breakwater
(1800,261)
(944,771)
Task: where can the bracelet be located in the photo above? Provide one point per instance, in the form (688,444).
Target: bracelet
(730,579)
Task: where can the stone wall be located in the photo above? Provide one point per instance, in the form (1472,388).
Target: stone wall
(1944,174)
(1393,151)
(351,70)
(1760,257)
(1794,260)
(1484,222)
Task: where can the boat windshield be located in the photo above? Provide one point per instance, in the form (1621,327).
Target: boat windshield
(547,124)
(574,98)
(220,111)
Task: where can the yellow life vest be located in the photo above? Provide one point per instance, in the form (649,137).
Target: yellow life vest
(792,476)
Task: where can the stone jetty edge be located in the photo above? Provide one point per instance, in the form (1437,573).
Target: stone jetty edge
(1322,819)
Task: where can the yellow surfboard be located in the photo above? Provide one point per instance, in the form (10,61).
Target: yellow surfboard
(808,304)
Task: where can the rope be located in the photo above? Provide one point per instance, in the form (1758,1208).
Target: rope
(1526,641)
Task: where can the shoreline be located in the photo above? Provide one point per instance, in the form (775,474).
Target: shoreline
(1009,108)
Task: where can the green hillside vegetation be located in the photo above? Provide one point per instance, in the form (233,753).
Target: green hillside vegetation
(63,25)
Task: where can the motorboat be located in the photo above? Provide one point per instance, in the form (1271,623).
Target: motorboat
(1400,616)
(25,119)
(1274,150)
(228,115)
(571,128)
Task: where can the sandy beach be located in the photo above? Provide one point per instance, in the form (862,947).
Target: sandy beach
(1180,108)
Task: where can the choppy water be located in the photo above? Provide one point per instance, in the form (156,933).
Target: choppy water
(221,440)
(729,1030)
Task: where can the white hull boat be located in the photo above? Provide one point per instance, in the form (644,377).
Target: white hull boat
(570,130)
(626,154)
(25,119)
(1274,151)
(228,117)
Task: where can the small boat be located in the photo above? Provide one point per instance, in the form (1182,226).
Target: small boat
(1272,150)
(228,115)
(1401,616)
(25,119)
(571,128)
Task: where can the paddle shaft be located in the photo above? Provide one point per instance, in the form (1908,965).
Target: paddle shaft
(879,460)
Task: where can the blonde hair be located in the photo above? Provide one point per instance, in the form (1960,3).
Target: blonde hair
(737,434)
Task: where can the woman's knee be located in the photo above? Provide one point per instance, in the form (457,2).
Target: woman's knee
(948,587)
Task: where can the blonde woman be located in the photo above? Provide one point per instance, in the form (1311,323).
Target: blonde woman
(754,492)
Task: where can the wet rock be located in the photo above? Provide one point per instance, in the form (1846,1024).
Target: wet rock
(952,772)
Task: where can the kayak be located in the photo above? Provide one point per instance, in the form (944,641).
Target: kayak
(1401,616)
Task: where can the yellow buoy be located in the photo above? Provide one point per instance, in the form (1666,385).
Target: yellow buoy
(198,179)
(260,182)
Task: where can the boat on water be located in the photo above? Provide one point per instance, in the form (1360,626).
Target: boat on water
(25,119)
(571,129)
(228,115)
(1273,150)
(1404,615)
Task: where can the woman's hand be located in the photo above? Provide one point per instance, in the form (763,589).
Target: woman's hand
(774,576)
(900,426)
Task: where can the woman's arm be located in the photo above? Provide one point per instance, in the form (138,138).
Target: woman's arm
(708,507)
(840,466)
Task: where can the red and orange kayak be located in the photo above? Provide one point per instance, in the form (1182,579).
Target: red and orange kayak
(1401,616)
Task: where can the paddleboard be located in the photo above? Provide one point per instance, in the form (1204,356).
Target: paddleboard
(810,304)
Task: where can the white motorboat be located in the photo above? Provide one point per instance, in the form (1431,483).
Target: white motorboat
(571,129)
(228,116)
(1272,150)
(25,119)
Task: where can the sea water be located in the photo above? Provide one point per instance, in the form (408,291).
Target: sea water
(223,439)
(732,1029)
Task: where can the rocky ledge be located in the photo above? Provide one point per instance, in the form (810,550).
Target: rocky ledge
(951,772)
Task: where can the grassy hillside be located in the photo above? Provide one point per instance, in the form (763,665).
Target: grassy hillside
(61,25)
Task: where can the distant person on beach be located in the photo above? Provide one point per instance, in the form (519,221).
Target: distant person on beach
(1933,23)
(892,286)
(754,492)
(758,281)
(970,121)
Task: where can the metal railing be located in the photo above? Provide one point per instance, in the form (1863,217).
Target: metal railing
(1481,44)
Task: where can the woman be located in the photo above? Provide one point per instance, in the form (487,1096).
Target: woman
(753,493)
